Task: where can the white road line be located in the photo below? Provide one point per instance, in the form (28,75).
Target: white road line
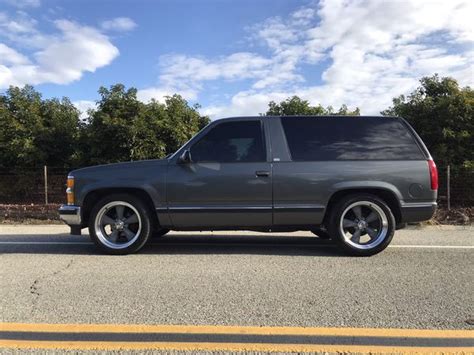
(433,246)
(47,243)
(184,244)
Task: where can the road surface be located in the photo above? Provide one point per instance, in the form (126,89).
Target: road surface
(423,281)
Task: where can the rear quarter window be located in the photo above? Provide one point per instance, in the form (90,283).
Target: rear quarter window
(349,138)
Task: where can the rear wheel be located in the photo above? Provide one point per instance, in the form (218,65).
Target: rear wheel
(120,224)
(362,224)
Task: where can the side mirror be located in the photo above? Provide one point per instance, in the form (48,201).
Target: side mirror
(185,158)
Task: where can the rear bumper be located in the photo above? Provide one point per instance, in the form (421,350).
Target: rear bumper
(417,212)
(70,215)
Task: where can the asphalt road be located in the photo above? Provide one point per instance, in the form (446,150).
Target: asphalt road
(424,280)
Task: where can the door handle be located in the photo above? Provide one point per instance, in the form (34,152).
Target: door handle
(262,173)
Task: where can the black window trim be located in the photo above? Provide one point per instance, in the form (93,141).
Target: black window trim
(217,124)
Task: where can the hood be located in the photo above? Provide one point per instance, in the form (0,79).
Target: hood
(118,167)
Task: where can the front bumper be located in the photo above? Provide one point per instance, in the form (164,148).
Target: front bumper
(70,215)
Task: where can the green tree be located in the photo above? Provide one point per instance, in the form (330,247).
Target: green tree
(59,135)
(343,111)
(162,128)
(122,128)
(33,131)
(108,132)
(297,106)
(442,113)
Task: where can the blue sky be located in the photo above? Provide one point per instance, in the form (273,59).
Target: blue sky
(233,57)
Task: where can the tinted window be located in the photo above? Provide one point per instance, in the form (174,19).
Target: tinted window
(349,138)
(231,142)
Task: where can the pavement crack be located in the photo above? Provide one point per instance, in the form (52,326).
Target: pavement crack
(35,286)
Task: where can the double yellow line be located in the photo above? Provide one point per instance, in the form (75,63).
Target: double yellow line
(196,337)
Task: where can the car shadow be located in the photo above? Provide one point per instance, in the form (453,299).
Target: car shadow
(176,244)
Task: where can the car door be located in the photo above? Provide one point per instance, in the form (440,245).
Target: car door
(227,180)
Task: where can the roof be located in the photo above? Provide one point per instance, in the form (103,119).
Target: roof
(240,118)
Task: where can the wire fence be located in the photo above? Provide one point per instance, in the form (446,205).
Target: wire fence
(38,186)
(48,185)
(456,186)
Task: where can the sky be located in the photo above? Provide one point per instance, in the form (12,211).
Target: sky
(234,56)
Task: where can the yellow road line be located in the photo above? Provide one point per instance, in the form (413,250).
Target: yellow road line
(216,329)
(68,345)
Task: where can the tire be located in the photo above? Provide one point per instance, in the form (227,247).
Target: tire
(321,233)
(160,232)
(356,218)
(108,227)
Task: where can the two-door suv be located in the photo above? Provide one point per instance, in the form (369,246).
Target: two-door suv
(352,179)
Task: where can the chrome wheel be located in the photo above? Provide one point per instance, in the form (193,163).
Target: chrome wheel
(118,225)
(364,225)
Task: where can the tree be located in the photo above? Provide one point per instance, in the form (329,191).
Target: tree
(296,106)
(162,128)
(108,132)
(36,132)
(59,136)
(443,114)
(122,128)
(33,131)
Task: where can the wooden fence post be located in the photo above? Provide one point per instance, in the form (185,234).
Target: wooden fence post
(448,186)
(45,185)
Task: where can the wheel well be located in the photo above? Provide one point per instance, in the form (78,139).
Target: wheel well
(94,196)
(389,197)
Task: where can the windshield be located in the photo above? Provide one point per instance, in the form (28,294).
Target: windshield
(171,155)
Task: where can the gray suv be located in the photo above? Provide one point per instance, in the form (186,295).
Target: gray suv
(352,179)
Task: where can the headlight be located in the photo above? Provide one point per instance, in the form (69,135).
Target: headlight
(70,190)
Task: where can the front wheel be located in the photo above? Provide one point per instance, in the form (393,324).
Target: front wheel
(362,224)
(120,224)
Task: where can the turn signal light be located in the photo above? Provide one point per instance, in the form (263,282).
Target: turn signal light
(70,190)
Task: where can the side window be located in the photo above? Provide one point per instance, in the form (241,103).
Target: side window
(349,138)
(231,142)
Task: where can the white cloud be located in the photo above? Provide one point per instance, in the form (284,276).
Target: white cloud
(240,65)
(83,106)
(61,59)
(376,50)
(120,24)
(184,74)
(79,49)
(20,25)
(160,93)
(23,3)
(21,30)
(244,103)
(10,56)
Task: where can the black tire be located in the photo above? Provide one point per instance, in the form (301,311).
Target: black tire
(133,206)
(160,232)
(321,233)
(341,230)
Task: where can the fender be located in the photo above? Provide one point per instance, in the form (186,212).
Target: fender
(381,185)
(158,201)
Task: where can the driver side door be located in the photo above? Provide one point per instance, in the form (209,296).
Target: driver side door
(227,182)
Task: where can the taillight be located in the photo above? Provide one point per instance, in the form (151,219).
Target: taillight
(70,190)
(433,174)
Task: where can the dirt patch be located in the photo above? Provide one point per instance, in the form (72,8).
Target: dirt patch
(29,214)
(457,216)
